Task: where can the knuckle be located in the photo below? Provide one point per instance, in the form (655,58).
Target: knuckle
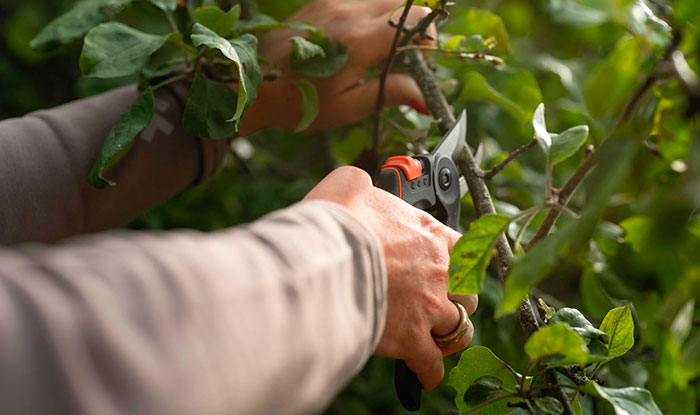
(355,173)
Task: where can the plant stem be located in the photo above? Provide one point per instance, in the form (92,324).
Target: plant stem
(170,81)
(527,223)
(502,165)
(171,20)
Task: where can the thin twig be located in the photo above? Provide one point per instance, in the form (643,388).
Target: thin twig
(422,26)
(502,165)
(564,196)
(385,74)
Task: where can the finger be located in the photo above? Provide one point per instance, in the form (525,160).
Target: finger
(427,364)
(359,102)
(462,344)
(470,302)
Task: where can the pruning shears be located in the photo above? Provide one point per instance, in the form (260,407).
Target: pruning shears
(433,183)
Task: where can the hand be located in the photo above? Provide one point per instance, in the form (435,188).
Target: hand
(362,26)
(417,254)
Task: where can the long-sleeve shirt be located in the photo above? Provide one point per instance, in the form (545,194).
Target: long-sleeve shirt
(268,318)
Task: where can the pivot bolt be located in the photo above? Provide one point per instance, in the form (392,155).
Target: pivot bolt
(445,178)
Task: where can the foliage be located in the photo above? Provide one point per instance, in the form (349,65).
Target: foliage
(624,252)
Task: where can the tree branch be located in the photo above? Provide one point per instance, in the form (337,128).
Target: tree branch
(564,196)
(502,165)
(385,75)
(480,195)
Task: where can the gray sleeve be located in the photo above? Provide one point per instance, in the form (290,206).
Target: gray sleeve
(272,318)
(45,158)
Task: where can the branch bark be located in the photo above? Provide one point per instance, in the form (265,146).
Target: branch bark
(480,194)
(502,165)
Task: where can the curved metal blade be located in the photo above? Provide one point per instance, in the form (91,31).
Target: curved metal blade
(455,140)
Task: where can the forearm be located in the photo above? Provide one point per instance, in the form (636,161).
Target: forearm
(45,158)
(272,318)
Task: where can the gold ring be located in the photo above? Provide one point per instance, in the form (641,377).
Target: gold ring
(458,334)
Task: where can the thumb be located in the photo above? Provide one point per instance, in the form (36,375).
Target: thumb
(400,89)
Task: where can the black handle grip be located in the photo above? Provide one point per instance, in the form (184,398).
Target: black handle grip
(428,183)
(408,387)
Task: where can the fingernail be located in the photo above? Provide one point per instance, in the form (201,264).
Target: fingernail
(419,107)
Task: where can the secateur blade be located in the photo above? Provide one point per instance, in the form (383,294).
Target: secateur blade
(455,140)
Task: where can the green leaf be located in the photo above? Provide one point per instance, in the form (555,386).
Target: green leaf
(454,42)
(475,363)
(544,139)
(480,22)
(472,254)
(566,144)
(549,311)
(625,401)
(425,3)
(321,66)
(638,230)
(121,137)
(557,345)
(614,81)
(619,325)
(516,91)
(549,406)
(217,20)
(167,5)
(577,321)
(309,104)
(303,50)
(258,22)
(76,22)
(209,107)
(243,52)
(527,271)
(482,390)
(113,50)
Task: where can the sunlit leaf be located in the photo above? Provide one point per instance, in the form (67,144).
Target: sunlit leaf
(544,139)
(472,254)
(557,345)
(619,326)
(480,22)
(453,42)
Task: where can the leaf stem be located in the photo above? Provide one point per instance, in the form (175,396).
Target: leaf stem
(502,165)
(170,81)
(516,243)
(171,20)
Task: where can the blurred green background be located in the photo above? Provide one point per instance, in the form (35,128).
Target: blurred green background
(584,59)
